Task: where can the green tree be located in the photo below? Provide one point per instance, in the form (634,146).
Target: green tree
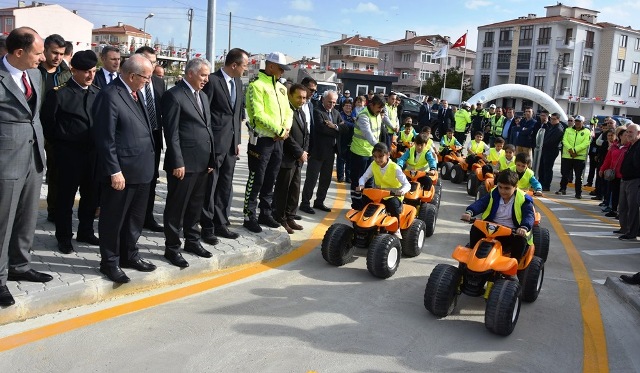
(434,84)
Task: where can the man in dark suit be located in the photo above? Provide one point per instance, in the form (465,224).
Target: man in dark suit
(226,101)
(110,57)
(445,117)
(328,124)
(152,94)
(21,157)
(425,116)
(125,157)
(188,160)
(67,121)
(294,154)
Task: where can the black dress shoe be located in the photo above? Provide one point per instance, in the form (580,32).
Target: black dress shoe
(153,226)
(6,299)
(224,232)
(297,217)
(307,209)
(627,237)
(65,246)
(321,206)
(31,276)
(198,250)
(91,240)
(618,231)
(115,274)
(633,280)
(252,225)
(51,218)
(210,239)
(140,265)
(176,259)
(268,220)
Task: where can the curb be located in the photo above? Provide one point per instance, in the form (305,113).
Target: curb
(98,289)
(630,294)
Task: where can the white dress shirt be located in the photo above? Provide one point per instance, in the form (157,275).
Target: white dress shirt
(16,74)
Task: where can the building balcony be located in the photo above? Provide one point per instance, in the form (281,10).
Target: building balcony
(565,44)
(567,70)
(487,44)
(409,81)
(407,65)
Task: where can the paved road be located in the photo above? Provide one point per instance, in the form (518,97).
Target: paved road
(309,316)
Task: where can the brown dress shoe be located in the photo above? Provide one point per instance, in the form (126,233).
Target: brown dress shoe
(286,227)
(293,225)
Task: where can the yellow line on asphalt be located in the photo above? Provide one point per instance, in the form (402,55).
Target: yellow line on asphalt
(30,336)
(595,356)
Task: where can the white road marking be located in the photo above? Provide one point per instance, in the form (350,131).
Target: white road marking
(592,234)
(561,209)
(570,219)
(612,251)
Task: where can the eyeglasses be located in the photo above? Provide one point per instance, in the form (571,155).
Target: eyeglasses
(147,78)
(571,120)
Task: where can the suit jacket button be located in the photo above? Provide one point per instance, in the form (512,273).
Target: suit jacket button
(30,141)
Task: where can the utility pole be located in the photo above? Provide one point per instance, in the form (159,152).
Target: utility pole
(190,18)
(555,83)
(229,46)
(211,28)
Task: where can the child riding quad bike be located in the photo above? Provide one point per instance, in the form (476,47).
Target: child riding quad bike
(426,201)
(372,229)
(495,255)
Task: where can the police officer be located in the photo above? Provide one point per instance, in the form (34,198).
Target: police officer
(67,121)
(270,118)
(462,120)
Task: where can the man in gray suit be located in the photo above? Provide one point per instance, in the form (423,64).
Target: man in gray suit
(21,157)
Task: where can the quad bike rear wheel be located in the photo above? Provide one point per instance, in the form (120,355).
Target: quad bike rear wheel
(541,242)
(445,170)
(413,238)
(481,190)
(337,245)
(531,279)
(503,307)
(383,256)
(457,174)
(472,185)
(441,292)
(428,214)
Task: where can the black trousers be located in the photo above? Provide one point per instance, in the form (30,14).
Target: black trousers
(264,163)
(157,137)
(121,219)
(77,172)
(594,165)
(460,136)
(51,176)
(184,206)
(514,244)
(545,171)
(287,193)
(218,193)
(318,170)
(569,167)
(359,165)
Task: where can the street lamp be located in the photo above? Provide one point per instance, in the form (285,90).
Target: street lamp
(144,28)
(384,65)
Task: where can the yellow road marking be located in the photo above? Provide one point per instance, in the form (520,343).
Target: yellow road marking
(30,336)
(595,356)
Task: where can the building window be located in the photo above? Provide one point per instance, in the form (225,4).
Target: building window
(620,65)
(425,75)
(541,60)
(425,57)
(584,88)
(637,43)
(544,36)
(623,41)
(589,41)
(524,59)
(506,37)
(406,57)
(404,75)
(343,65)
(363,52)
(504,59)
(633,90)
(563,86)
(526,35)
(488,39)
(486,60)
(338,50)
(484,81)
(617,89)
(356,66)
(522,79)
(588,62)
(566,59)
(538,82)
(370,67)
(458,63)
(636,68)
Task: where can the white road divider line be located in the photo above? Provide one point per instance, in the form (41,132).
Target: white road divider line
(612,252)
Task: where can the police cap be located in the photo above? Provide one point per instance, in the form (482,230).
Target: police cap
(84,60)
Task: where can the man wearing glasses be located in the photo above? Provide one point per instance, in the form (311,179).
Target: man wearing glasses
(125,160)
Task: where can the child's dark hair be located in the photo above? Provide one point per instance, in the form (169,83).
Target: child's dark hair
(421,139)
(449,130)
(408,125)
(425,129)
(498,140)
(508,177)
(478,133)
(380,148)
(523,158)
(509,148)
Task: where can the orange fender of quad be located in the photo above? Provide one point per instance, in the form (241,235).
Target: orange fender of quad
(407,216)
(536,220)
(495,261)
(415,192)
(524,262)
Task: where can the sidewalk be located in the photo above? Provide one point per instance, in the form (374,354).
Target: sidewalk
(77,280)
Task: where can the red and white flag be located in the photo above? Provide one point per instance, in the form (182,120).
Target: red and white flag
(461,42)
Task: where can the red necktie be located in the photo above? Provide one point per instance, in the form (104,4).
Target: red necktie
(28,90)
(134,95)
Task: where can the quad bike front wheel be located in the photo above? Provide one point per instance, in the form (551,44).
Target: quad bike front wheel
(472,185)
(383,256)
(457,174)
(541,242)
(503,307)
(337,245)
(428,214)
(441,292)
(413,238)
(481,190)
(445,170)
(531,279)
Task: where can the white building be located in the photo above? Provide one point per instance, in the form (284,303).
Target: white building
(125,37)
(589,68)
(39,16)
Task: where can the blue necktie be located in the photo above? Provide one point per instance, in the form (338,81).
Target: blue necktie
(233,93)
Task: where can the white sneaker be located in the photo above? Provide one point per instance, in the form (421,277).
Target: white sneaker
(398,234)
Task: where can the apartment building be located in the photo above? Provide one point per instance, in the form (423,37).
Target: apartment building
(351,53)
(589,68)
(126,37)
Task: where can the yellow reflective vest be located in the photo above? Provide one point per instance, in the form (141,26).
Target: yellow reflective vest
(359,144)
(268,108)
(517,210)
(388,180)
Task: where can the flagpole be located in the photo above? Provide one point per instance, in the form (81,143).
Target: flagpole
(464,64)
(446,66)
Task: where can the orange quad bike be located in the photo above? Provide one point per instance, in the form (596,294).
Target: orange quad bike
(395,153)
(461,171)
(372,229)
(479,173)
(486,270)
(427,202)
(540,234)
(447,162)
